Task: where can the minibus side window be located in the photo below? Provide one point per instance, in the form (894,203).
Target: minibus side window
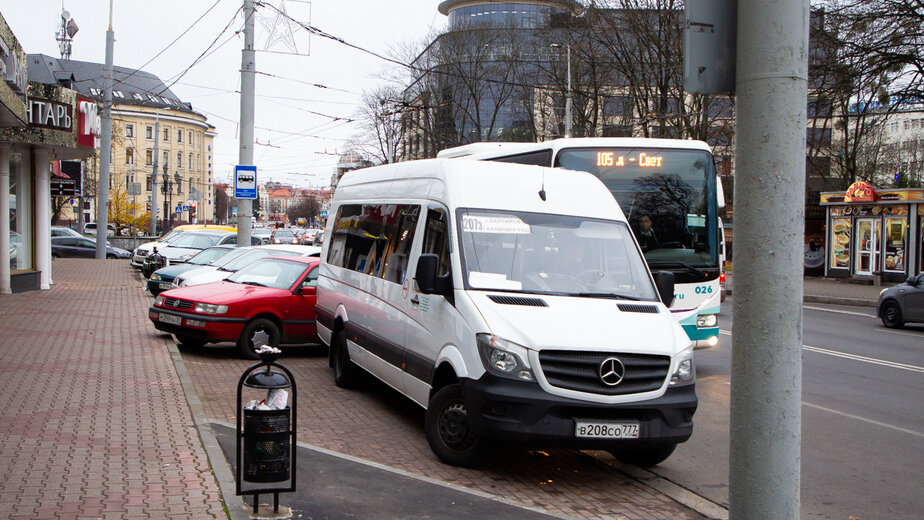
(436,238)
(398,251)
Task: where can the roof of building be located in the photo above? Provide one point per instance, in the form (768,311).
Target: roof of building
(130,86)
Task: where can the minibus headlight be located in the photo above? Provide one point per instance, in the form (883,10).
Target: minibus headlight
(685,373)
(706,320)
(504,358)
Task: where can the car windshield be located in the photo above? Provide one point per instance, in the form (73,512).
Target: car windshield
(249,257)
(551,254)
(270,272)
(209,255)
(196,240)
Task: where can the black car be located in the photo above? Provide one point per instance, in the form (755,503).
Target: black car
(82,247)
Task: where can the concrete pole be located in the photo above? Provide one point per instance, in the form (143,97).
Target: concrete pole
(42,216)
(105,150)
(766,392)
(248,90)
(5,281)
(568,110)
(154,176)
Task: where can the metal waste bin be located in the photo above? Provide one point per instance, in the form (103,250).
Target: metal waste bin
(266,438)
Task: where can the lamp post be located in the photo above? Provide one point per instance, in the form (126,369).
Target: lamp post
(168,190)
(568,98)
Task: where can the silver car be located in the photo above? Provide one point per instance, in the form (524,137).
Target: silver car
(901,303)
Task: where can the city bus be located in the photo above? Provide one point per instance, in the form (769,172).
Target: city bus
(670,194)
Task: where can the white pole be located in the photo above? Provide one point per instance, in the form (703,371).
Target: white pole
(105,150)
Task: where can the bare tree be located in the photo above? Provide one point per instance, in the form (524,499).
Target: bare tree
(380,129)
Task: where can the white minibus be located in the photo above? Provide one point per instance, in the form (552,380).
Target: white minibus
(512,302)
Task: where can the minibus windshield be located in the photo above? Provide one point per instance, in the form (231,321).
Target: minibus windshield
(551,254)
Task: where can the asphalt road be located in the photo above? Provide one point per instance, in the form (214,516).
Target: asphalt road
(862,418)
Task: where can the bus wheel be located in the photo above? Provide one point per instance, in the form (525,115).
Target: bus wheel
(449,431)
(346,373)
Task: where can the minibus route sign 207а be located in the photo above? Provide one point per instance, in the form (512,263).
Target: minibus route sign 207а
(511,302)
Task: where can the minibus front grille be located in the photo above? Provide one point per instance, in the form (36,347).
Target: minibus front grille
(580,371)
(517,300)
(177,303)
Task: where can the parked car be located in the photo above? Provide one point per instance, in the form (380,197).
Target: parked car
(211,273)
(64,231)
(162,279)
(274,295)
(263,234)
(83,247)
(188,243)
(902,303)
(90,229)
(141,252)
(283,236)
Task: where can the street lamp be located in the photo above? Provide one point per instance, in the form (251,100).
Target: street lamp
(168,191)
(568,98)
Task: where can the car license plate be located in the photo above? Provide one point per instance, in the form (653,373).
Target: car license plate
(171,319)
(166,285)
(606,430)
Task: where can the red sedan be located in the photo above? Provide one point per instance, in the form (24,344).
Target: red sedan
(274,296)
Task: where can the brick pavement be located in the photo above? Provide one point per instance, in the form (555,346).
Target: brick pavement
(94,423)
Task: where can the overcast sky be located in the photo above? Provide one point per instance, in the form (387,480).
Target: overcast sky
(286,104)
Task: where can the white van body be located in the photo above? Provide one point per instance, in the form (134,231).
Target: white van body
(434,343)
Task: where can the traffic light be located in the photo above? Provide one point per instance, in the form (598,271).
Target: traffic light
(192,211)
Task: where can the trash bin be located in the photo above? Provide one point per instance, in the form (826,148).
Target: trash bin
(266,431)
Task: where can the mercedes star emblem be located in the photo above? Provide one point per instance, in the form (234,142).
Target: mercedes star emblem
(612,371)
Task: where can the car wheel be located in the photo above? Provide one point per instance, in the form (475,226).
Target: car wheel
(55,255)
(188,342)
(265,325)
(449,431)
(645,456)
(346,373)
(111,257)
(891,314)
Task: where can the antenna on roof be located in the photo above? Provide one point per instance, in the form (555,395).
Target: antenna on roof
(65,34)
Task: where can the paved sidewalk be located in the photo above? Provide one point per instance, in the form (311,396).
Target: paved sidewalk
(94,422)
(832,291)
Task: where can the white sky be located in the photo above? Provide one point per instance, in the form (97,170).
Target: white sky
(144,28)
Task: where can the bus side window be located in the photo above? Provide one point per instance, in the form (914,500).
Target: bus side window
(436,238)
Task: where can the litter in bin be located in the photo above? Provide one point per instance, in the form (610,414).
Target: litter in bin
(276,399)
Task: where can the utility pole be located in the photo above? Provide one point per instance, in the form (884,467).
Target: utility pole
(568,116)
(154,176)
(248,91)
(105,151)
(766,374)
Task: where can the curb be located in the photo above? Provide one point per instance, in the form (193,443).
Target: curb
(834,300)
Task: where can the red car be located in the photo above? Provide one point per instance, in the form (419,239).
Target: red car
(274,296)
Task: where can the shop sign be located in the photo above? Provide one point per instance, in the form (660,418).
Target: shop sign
(45,113)
(12,69)
(89,125)
(66,178)
(860,191)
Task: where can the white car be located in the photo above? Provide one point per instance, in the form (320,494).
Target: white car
(90,229)
(141,252)
(212,273)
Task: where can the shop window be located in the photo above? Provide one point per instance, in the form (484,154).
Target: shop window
(895,244)
(840,243)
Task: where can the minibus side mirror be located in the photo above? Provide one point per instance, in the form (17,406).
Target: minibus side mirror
(664,281)
(425,276)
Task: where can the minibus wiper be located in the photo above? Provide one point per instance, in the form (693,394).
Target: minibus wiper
(688,267)
(614,296)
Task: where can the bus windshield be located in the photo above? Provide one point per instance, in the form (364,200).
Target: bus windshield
(668,196)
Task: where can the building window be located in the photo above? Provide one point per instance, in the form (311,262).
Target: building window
(179,160)
(137,96)
(166,134)
(190,161)
(94,91)
(149,157)
(895,126)
(179,184)
(179,136)
(907,124)
(129,130)
(190,141)
(166,161)
(149,132)
(147,183)
(129,156)
(117,93)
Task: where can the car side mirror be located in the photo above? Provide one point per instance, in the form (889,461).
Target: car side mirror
(664,281)
(306,290)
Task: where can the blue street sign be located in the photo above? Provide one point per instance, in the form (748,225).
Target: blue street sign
(245,182)
(324,214)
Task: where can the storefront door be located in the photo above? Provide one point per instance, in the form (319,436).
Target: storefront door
(867,241)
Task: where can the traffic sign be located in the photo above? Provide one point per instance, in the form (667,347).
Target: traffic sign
(245,182)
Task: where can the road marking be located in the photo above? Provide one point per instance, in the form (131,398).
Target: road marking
(864,359)
(870,421)
(854,357)
(901,333)
(836,311)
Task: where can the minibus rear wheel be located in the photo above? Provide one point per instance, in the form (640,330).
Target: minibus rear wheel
(345,371)
(449,431)
(647,455)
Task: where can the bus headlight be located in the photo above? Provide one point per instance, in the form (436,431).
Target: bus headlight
(707,320)
(685,373)
(504,358)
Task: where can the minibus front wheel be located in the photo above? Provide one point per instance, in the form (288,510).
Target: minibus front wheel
(449,431)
